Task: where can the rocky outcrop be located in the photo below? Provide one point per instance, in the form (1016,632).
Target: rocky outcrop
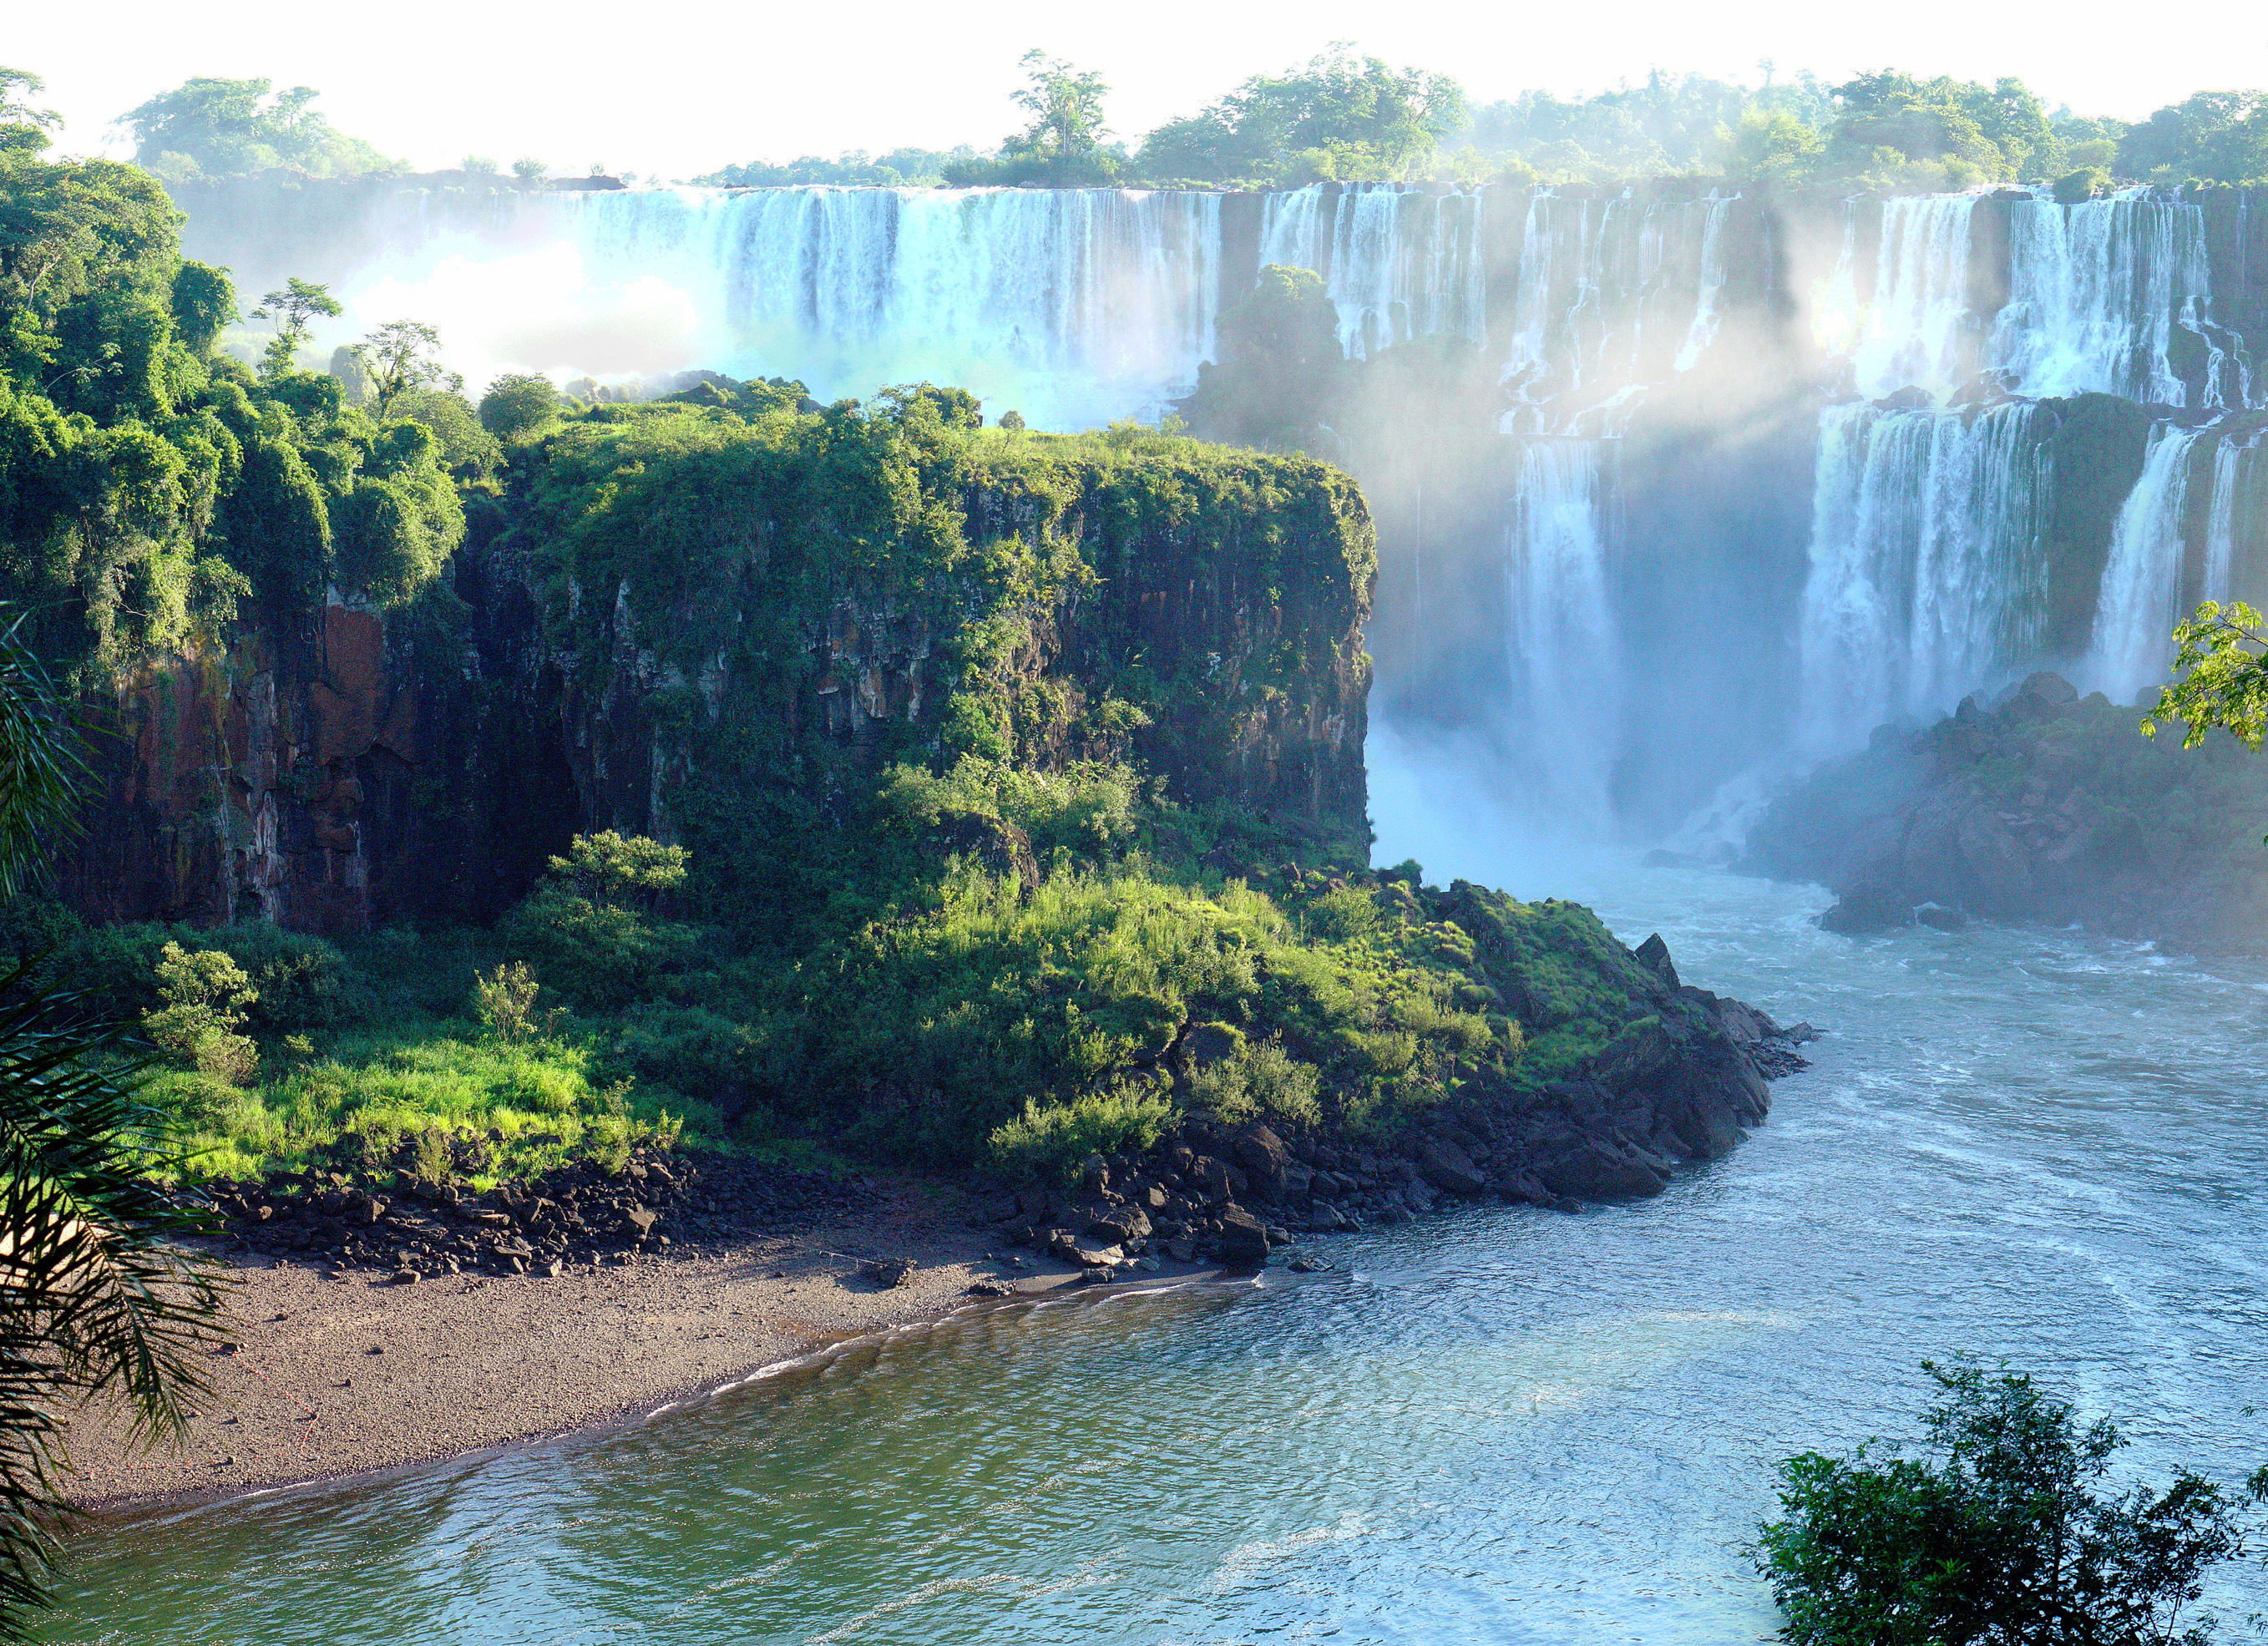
(1680,1086)
(2042,808)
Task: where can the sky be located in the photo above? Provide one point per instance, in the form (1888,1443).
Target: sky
(674,89)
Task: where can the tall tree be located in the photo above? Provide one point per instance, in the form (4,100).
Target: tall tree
(294,306)
(402,355)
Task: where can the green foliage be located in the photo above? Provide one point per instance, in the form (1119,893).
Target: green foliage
(1259,1078)
(1063,146)
(2216,136)
(207,127)
(1281,369)
(42,763)
(468,450)
(205,993)
(503,1001)
(2226,684)
(520,406)
(401,356)
(854,168)
(1998,1536)
(148,487)
(1341,116)
(102,1301)
(1048,1144)
(2083,184)
(612,867)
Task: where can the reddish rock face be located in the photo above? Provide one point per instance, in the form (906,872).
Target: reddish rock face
(317,779)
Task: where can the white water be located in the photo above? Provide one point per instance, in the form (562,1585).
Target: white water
(1928,566)
(1397,263)
(2135,615)
(1562,652)
(1079,307)
(1918,329)
(2098,292)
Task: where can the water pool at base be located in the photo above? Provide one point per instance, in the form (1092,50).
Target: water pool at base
(1498,1426)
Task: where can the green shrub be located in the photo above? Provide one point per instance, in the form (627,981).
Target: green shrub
(599,956)
(1259,1078)
(1344,915)
(503,1001)
(204,993)
(1050,1142)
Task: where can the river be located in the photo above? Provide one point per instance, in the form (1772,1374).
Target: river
(1500,1426)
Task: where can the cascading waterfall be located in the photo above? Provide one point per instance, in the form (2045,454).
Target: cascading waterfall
(1928,566)
(1612,297)
(2138,605)
(1397,263)
(2099,292)
(1081,301)
(1919,329)
(1562,651)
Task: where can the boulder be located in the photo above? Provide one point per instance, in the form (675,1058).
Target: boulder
(1595,1171)
(1449,1169)
(890,1272)
(1209,1180)
(1264,1158)
(1121,1225)
(1869,909)
(1653,954)
(1241,1239)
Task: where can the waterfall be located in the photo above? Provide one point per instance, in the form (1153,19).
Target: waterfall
(1703,331)
(1396,262)
(2138,606)
(1919,329)
(1612,297)
(1928,570)
(1562,652)
(2099,293)
(2220,524)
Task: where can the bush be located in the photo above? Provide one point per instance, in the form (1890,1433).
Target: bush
(1998,1539)
(303,983)
(1050,1143)
(504,1002)
(2083,184)
(602,957)
(205,993)
(1259,1078)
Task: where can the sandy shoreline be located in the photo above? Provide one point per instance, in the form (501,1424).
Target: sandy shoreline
(340,1376)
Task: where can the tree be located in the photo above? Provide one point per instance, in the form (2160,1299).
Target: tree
(2222,649)
(520,404)
(1065,104)
(97,1295)
(1345,114)
(530,171)
(22,126)
(1997,1538)
(219,128)
(2217,136)
(294,306)
(1280,367)
(402,355)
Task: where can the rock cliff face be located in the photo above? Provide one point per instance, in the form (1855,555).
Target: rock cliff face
(2041,807)
(346,768)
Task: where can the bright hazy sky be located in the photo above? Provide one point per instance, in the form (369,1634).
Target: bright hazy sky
(677,89)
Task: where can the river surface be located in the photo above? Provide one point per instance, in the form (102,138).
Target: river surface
(1500,1426)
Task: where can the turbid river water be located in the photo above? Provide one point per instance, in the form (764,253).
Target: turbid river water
(1500,1426)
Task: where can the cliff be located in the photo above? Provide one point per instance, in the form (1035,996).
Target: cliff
(687,609)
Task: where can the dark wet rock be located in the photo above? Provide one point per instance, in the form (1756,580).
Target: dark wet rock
(1599,1170)
(1242,1240)
(1449,1169)
(1120,1226)
(1868,909)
